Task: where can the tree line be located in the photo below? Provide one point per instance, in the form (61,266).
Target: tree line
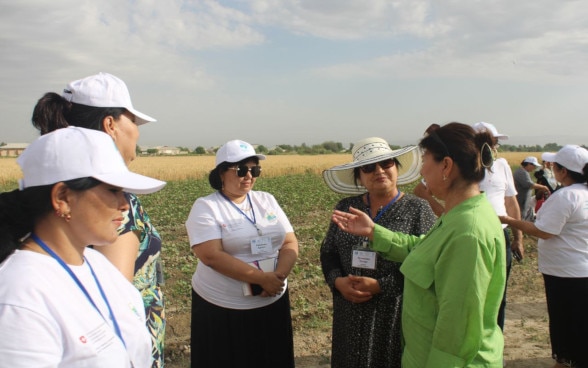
(330,147)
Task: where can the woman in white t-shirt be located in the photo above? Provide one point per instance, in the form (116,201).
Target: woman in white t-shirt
(246,248)
(562,228)
(63,304)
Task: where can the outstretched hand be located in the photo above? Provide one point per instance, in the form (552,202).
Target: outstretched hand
(355,222)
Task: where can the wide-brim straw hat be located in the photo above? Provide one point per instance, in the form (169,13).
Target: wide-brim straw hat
(369,151)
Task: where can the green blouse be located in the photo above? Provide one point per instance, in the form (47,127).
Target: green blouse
(454,283)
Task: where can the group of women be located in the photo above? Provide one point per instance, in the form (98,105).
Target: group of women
(410,288)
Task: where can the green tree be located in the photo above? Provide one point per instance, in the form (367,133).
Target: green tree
(200,150)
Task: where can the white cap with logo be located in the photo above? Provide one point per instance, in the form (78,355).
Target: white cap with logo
(235,151)
(75,153)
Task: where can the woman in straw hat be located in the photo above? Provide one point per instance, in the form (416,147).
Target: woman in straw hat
(102,102)
(367,295)
(561,226)
(454,275)
(63,304)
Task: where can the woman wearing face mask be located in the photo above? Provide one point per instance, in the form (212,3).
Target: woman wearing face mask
(63,304)
(246,249)
(102,102)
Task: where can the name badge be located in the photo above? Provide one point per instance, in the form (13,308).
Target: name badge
(261,244)
(363,259)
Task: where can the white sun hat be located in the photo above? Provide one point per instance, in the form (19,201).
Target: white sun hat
(103,90)
(369,151)
(572,157)
(483,126)
(75,153)
(235,151)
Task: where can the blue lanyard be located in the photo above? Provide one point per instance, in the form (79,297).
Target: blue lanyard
(381,212)
(253,221)
(81,286)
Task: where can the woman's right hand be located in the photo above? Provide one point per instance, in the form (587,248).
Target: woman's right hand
(272,283)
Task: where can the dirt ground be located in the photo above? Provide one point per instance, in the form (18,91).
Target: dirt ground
(526,340)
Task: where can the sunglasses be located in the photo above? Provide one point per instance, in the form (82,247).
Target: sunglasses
(370,168)
(242,170)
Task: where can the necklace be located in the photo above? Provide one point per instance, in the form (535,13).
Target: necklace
(251,219)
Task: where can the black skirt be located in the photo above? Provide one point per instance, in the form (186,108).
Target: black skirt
(260,337)
(567,305)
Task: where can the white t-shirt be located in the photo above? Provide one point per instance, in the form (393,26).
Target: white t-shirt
(564,214)
(497,185)
(215,217)
(47,321)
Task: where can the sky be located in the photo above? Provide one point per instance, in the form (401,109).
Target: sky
(307,71)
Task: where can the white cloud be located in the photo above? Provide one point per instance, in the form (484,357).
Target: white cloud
(250,66)
(498,39)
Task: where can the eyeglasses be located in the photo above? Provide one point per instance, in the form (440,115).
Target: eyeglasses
(370,168)
(242,170)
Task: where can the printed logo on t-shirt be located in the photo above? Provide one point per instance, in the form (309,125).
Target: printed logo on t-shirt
(270,216)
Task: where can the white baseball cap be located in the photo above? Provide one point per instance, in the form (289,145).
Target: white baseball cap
(571,156)
(532,160)
(75,153)
(483,126)
(235,151)
(103,90)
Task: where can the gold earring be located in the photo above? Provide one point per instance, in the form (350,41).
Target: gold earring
(444,177)
(66,216)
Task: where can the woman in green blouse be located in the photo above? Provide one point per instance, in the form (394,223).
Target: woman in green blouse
(455,274)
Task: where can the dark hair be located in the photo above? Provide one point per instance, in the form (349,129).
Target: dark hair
(52,112)
(469,150)
(214,177)
(576,176)
(20,211)
(356,171)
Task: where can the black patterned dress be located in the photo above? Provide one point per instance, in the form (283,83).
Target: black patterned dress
(368,335)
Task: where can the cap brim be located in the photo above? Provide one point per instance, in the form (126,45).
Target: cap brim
(340,178)
(141,118)
(132,182)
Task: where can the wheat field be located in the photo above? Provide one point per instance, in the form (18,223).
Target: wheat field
(171,168)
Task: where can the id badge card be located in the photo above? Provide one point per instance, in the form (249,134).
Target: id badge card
(261,244)
(363,258)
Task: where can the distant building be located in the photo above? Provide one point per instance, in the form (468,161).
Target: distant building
(161,151)
(12,149)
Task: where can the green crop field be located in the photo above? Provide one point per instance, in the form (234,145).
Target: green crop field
(308,202)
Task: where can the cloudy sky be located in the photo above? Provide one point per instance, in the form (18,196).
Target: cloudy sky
(307,71)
